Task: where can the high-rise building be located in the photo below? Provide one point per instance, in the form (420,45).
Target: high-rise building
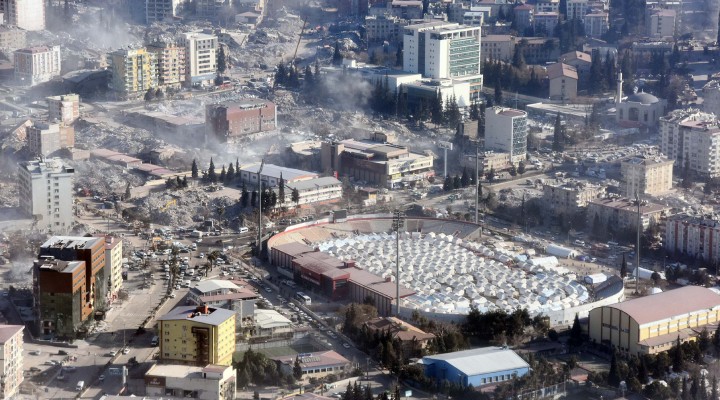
(11,360)
(113,264)
(44,139)
(35,65)
(170,63)
(199,336)
(441,49)
(25,14)
(162,10)
(696,236)
(646,176)
(134,71)
(692,138)
(90,250)
(200,57)
(46,193)
(61,296)
(506,131)
(64,108)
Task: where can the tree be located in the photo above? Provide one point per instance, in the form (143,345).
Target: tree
(295,197)
(465,178)
(678,356)
(223,174)
(448,184)
(221,60)
(576,336)
(687,182)
(558,135)
(623,267)
(194,169)
(212,176)
(159,94)
(714,391)
(256,395)
(281,190)
(244,197)
(399,57)
(614,374)
(498,94)
(150,94)
(704,340)
(655,277)
(230,176)
(513,170)
(337,57)
(297,368)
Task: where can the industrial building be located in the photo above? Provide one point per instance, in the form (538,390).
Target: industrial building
(45,189)
(237,120)
(476,367)
(11,360)
(36,65)
(646,175)
(209,382)
(696,236)
(197,335)
(654,323)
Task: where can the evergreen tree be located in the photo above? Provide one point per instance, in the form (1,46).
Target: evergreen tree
(687,181)
(337,57)
(295,197)
(280,74)
(623,267)
(212,176)
(256,395)
(716,338)
(642,371)
(194,169)
(253,198)
(576,336)
(436,110)
(521,168)
(221,60)
(401,103)
(465,178)
(498,96)
(230,177)
(281,189)
(223,174)
(452,112)
(596,75)
(448,184)
(714,390)
(149,95)
(457,184)
(297,368)
(399,57)
(184,181)
(244,197)
(678,356)
(519,57)
(474,112)
(513,170)
(159,94)
(308,76)
(685,390)
(614,374)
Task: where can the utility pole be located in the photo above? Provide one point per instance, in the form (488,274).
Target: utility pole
(445,146)
(477,182)
(637,245)
(398,223)
(258,243)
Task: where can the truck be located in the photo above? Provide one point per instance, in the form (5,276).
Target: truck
(196,234)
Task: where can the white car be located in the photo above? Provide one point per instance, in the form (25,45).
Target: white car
(126,350)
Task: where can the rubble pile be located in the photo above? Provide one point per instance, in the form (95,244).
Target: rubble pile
(118,138)
(185,208)
(104,179)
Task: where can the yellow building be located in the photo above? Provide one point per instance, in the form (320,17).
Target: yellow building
(646,175)
(652,324)
(134,71)
(197,336)
(113,264)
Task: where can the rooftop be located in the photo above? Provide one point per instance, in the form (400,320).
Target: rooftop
(399,329)
(629,205)
(183,371)
(669,304)
(275,171)
(648,160)
(48,165)
(315,360)
(214,316)
(64,267)
(314,183)
(294,249)
(268,319)
(215,284)
(576,55)
(642,98)
(559,70)
(508,112)
(72,242)
(480,361)
(8,331)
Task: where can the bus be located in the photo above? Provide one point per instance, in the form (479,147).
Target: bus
(305,299)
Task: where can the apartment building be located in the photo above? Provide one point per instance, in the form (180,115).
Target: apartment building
(580,61)
(692,138)
(236,120)
(662,24)
(441,49)
(45,189)
(379,28)
(113,265)
(596,24)
(545,22)
(547,6)
(133,72)
(621,214)
(11,360)
(506,131)
(711,97)
(25,14)
(162,10)
(563,81)
(61,296)
(537,50)
(524,16)
(200,57)
(653,324)
(34,65)
(696,236)
(646,175)
(209,382)
(63,109)
(569,197)
(576,9)
(44,139)
(198,336)
(12,38)
(91,250)
(171,63)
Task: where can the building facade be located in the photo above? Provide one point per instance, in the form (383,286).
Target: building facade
(44,139)
(563,81)
(662,24)
(61,296)
(271,174)
(36,65)
(198,336)
(545,22)
(11,360)
(616,214)
(568,198)
(210,382)
(596,24)
(640,110)
(506,131)
(315,365)
(476,367)
(384,27)
(12,38)
(200,57)
(25,14)
(646,176)
(653,324)
(711,97)
(162,10)
(692,138)
(45,188)
(63,109)
(171,63)
(318,190)
(113,264)
(576,9)
(697,236)
(236,120)
(133,72)
(441,49)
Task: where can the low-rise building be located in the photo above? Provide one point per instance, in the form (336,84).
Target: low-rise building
(568,198)
(220,293)
(209,382)
(412,339)
(476,367)
(197,335)
(113,264)
(45,139)
(696,236)
(619,214)
(653,324)
(596,24)
(646,175)
(489,160)
(271,174)
(271,324)
(11,360)
(64,109)
(317,190)
(380,28)
(36,65)
(640,110)
(315,365)
(237,120)
(580,61)
(563,81)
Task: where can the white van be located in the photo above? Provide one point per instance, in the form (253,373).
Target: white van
(244,229)
(80,385)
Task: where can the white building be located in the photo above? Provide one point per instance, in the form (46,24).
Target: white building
(270,174)
(692,137)
(225,294)
(11,360)
(596,24)
(711,97)
(441,49)
(212,382)
(640,110)
(200,57)
(35,65)
(576,9)
(379,28)
(113,264)
(64,108)
(46,193)
(662,24)
(506,131)
(161,10)
(545,22)
(695,236)
(646,175)
(315,190)
(25,14)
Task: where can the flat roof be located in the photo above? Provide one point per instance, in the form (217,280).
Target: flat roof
(313,183)
(8,331)
(215,317)
(314,360)
(627,204)
(480,361)
(71,242)
(183,371)
(64,267)
(215,284)
(275,171)
(668,304)
(294,249)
